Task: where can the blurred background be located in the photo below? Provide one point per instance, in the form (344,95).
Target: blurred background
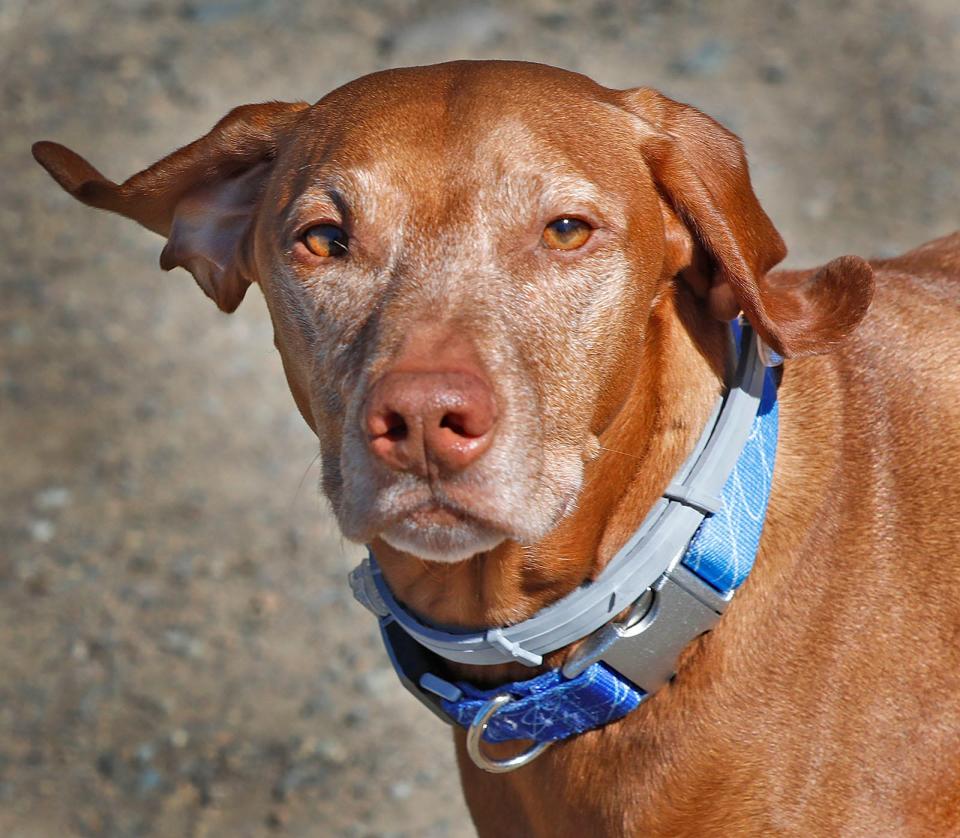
(179,652)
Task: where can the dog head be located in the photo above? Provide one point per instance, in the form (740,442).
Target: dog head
(461,262)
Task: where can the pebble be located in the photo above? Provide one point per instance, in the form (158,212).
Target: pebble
(278,817)
(264,603)
(401,790)
(42,530)
(55,497)
(149,781)
(184,643)
(107,764)
(146,752)
(333,752)
(37,583)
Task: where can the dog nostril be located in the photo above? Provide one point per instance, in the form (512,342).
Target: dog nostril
(454,421)
(396,429)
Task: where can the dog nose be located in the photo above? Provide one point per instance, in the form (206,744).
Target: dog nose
(425,421)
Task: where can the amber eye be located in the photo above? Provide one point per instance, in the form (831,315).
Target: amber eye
(566,234)
(325,240)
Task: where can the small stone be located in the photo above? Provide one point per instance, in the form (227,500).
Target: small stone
(148,781)
(357,717)
(264,603)
(42,530)
(278,817)
(245,566)
(107,765)
(314,706)
(141,563)
(146,752)
(401,790)
(181,572)
(179,738)
(55,497)
(773,73)
(37,583)
(332,751)
(184,643)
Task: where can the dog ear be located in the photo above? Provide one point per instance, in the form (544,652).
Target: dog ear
(724,243)
(202,197)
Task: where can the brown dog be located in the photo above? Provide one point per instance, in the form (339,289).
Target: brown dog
(499,293)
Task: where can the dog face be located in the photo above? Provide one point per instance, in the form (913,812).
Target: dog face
(459,262)
(444,191)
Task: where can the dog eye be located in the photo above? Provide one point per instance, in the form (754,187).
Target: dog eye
(566,234)
(325,240)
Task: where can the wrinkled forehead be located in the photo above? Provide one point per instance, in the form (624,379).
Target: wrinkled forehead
(445,135)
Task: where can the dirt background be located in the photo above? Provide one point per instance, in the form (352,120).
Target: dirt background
(179,654)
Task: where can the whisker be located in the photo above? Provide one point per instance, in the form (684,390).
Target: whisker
(623,453)
(303,479)
(597,472)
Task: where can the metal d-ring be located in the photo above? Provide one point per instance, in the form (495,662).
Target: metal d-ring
(475,735)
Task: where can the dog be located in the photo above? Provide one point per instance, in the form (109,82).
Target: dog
(502,296)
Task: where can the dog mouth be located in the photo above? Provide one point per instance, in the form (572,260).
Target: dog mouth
(442,531)
(453,518)
(436,514)
(441,528)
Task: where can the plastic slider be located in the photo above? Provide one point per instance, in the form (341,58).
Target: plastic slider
(515,650)
(433,684)
(703,502)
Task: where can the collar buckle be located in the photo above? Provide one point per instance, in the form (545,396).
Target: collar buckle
(644,647)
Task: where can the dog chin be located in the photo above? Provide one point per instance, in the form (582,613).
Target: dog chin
(445,543)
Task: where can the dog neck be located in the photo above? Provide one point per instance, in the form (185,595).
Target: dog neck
(655,415)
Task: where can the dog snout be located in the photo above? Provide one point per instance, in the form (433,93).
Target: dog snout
(429,422)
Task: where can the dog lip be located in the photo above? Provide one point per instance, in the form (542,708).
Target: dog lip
(435,511)
(438,505)
(440,511)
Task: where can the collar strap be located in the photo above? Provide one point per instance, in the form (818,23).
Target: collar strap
(678,571)
(550,706)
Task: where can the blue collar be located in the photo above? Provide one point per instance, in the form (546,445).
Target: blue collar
(722,552)
(622,663)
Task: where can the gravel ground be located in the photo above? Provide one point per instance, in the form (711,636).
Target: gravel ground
(179,651)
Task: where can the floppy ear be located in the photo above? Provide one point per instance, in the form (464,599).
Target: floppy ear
(202,197)
(724,243)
